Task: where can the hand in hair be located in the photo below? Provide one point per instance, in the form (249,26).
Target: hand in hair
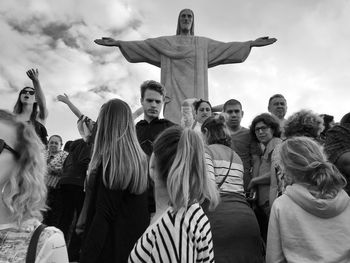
(33,74)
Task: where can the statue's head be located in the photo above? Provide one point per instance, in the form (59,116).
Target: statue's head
(185,23)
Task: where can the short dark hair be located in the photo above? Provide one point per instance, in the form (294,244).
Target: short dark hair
(198,103)
(345,119)
(217,132)
(231,102)
(152,85)
(277,96)
(270,120)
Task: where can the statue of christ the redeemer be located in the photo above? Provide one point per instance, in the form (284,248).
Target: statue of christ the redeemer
(184,60)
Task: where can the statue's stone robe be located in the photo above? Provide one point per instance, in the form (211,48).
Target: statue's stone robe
(184,63)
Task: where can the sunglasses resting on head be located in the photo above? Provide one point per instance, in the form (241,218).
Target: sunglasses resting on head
(4,145)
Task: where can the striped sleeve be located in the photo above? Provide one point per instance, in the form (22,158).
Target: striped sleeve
(184,236)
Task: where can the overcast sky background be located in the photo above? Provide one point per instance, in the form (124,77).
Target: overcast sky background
(309,63)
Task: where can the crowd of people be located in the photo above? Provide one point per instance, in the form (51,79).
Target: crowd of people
(202,190)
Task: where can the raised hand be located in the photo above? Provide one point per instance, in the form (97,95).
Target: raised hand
(263,41)
(107,41)
(63,98)
(33,74)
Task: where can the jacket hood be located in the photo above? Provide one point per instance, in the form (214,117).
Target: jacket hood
(324,208)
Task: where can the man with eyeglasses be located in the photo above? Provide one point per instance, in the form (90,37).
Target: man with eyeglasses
(242,143)
(147,130)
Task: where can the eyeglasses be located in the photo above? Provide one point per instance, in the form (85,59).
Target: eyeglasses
(263,129)
(30,92)
(4,145)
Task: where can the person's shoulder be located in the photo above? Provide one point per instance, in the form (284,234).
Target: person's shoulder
(51,244)
(167,122)
(141,123)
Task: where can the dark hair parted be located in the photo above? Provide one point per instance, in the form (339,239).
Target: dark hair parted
(216,131)
(304,161)
(270,120)
(231,102)
(152,85)
(198,103)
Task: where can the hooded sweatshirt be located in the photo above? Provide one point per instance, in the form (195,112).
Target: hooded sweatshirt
(305,229)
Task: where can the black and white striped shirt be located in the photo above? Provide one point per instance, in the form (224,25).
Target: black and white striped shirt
(183,237)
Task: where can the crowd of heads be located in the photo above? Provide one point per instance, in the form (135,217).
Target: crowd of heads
(178,159)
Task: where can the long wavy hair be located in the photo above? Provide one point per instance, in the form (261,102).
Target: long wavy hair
(304,161)
(24,191)
(179,155)
(18,108)
(117,150)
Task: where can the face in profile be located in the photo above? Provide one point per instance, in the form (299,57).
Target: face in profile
(27,96)
(278,107)
(203,112)
(7,157)
(54,144)
(186,20)
(152,103)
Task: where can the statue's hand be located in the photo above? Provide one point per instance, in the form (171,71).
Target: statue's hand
(263,41)
(107,41)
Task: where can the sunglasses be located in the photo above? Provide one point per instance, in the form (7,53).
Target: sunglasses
(30,92)
(4,145)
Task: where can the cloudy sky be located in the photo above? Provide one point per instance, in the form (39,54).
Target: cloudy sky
(308,64)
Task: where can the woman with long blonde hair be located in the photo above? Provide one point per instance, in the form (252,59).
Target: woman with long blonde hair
(23,196)
(310,221)
(120,169)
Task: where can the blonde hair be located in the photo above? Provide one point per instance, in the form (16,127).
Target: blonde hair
(24,193)
(304,161)
(181,164)
(117,150)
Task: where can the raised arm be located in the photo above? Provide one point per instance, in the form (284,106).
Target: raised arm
(65,99)
(107,41)
(138,112)
(33,74)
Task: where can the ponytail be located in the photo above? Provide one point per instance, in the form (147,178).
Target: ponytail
(304,161)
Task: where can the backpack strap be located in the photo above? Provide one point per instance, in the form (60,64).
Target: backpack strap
(228,171)
(31,252)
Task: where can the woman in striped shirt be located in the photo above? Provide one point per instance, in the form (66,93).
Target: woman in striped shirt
(235,229)
(180,231)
